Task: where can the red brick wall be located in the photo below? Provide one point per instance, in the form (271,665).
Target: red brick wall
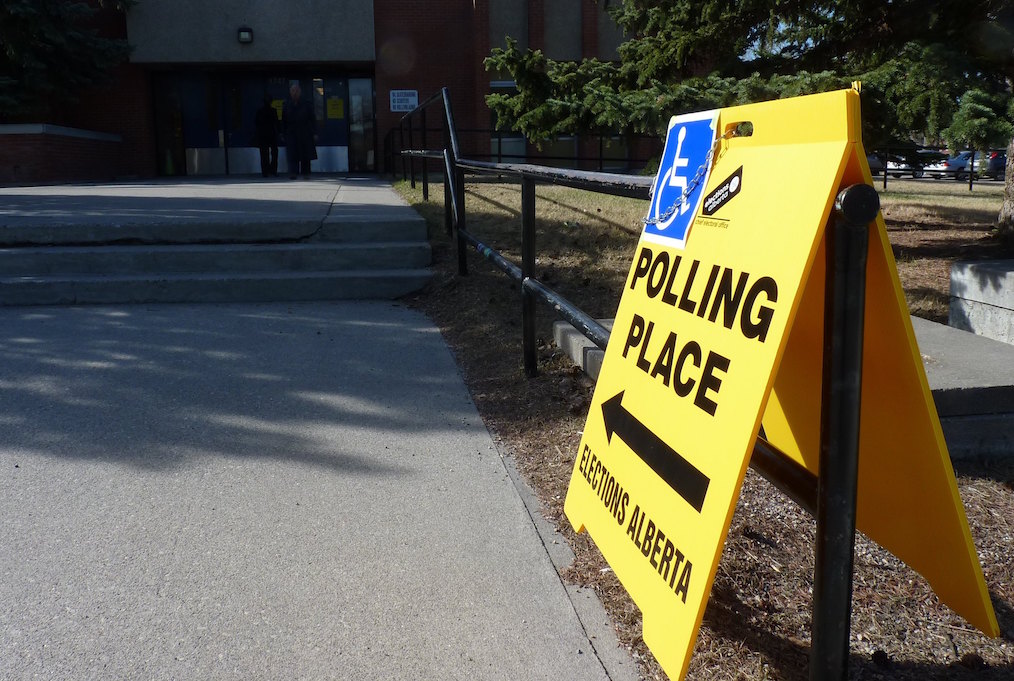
(536,25)
(424,46)
(123,107)
(480,38)
(38,158)
(447,41)
(420,46)
(590,29)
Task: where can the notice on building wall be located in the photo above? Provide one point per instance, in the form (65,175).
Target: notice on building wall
(404,100)
(335,108)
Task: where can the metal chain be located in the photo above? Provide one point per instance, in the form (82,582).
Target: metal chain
(691,185)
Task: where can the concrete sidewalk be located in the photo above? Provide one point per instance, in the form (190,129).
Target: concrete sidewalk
(202,209)
(271,491)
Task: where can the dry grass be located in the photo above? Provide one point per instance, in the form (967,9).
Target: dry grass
(931,224)
(757,622)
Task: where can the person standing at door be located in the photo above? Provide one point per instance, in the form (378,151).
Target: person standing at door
(300,124)
(266,123)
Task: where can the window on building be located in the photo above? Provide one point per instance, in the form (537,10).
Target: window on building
(506,146)
(508,18)
(562,20)
(610,36)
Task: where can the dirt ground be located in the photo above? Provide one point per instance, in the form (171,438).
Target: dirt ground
(757,622)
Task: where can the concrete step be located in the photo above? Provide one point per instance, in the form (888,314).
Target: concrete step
(211,287)
(972,379)
(138,259)
(349,224)
(219,240)
(372,223)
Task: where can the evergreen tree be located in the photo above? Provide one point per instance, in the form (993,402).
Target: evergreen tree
(979,123)
(50,51)
(916,59)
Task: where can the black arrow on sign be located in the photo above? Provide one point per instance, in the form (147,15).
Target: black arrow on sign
(685,479)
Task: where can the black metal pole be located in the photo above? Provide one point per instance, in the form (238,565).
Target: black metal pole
(459,185)
(528,272)
(447,202)
(425,162)
(971,170)
(411,159)
(847,244)
(401,148)
(448,167)
(887,155)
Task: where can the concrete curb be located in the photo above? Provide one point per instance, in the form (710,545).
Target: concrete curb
(972,379)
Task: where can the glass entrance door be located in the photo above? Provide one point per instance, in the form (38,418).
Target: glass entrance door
(362,138)
(205,121)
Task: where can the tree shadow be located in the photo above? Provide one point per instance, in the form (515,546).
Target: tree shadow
(733,619)
(157,387)
(946,217)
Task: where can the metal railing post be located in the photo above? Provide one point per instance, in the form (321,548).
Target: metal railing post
(459,182)
(448,220)
(411,159)
(425,162)
(448,178)
(971,170)
(847,243)
(401,148)
(528,272)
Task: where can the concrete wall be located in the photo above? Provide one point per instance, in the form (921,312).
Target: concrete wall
(982,298)
(188,31)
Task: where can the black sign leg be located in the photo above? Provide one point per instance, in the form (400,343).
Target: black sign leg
(845,296)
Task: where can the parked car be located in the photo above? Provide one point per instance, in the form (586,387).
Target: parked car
(913,161)
(956,166)
(996,164)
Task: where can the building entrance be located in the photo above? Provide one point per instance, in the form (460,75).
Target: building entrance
(204,121)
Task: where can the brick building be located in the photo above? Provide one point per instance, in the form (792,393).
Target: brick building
(185,102)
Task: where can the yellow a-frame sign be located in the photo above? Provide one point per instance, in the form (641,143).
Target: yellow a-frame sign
(719,329)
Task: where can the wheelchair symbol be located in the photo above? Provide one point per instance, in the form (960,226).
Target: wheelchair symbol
(682,175)
(671,179)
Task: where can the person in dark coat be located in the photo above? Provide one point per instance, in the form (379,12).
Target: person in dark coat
(300,123)
(266,124)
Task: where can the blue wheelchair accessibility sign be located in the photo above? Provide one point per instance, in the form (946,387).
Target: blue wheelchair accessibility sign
(682,177)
